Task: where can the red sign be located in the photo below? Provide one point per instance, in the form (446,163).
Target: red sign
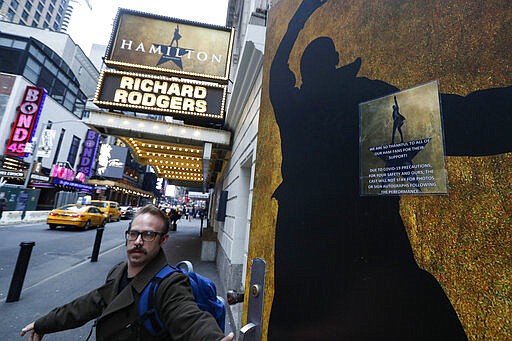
(26,122)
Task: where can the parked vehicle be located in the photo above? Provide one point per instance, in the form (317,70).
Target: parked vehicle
(110,208)
(126,212)
(82,216)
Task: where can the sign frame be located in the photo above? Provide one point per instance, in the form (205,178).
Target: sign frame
(123,60)
(105,95)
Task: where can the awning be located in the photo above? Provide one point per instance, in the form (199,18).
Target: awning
(187,155)
(120,187)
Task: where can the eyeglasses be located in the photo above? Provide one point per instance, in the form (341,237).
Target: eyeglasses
(147,236)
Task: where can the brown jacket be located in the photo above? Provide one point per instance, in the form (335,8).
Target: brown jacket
(117,315)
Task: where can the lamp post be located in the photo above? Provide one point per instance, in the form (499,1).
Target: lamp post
(31,166)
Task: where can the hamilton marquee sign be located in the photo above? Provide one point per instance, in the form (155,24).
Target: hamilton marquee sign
(165,95)
(163,45)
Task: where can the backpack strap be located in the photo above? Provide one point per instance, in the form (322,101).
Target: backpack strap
(147,303)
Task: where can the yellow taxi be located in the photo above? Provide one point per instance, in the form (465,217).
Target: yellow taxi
(110,208)
(83,216)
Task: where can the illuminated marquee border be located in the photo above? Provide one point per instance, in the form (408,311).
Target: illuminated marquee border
(109,104)
(154,69)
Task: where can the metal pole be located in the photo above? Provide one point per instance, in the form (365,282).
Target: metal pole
(31,165)
(97,243)
(19,271)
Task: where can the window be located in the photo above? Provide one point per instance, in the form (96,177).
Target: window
(37,16)
(15,4)
(80,105)
(73,150)
(58,91)
(34,23)
(32,69)
(6,42)
(28,5)
(24,15)
(52,67)
(40,7)
(45,79)
(69,101)
(55,26)
(10,14)
(36,54)
(48,17)
(18,44)
(51,8)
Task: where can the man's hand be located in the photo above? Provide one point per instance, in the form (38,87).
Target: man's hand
(29,328)
(229,337)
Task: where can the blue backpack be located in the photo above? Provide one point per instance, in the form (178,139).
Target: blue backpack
(204,291)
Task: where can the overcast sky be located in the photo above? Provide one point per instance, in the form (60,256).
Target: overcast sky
(95,26)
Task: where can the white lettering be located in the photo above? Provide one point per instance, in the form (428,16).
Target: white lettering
(202,56)
(155,49)
(140,48)
(126,45)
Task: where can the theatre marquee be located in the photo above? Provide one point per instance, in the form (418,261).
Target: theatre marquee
(157,44)
(182,99)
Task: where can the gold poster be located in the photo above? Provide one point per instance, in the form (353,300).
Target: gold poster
(341,266)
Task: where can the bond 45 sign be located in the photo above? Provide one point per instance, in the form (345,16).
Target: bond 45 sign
(26,122)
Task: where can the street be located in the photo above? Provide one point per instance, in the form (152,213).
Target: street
(59,270)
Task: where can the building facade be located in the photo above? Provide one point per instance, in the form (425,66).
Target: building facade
(237,178)
(45,14)
(35,57)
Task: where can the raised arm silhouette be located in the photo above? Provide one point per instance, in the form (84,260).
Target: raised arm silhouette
(344,267)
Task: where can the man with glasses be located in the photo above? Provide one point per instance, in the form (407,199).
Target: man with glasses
(115,304)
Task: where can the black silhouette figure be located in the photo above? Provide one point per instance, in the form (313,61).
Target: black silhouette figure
(174,53)
(176,37)
(349,273)
(398,121)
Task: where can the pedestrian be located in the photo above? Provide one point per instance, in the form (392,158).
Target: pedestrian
(3,204)
(114,305)
(173,217)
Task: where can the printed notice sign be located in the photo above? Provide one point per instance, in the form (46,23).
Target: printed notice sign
(401,143)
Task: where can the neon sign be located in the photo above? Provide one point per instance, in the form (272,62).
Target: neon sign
(25,124)
(89,152)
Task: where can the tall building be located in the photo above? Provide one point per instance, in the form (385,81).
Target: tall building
(45,14)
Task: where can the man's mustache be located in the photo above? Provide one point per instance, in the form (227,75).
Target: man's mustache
(137,249)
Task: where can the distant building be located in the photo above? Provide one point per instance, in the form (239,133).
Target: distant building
(96,55)
(45,14)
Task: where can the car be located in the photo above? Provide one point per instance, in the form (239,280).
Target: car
(83,216)
(110,208)
(126,212)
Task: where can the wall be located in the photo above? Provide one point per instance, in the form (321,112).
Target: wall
(423,267)
(238,175)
